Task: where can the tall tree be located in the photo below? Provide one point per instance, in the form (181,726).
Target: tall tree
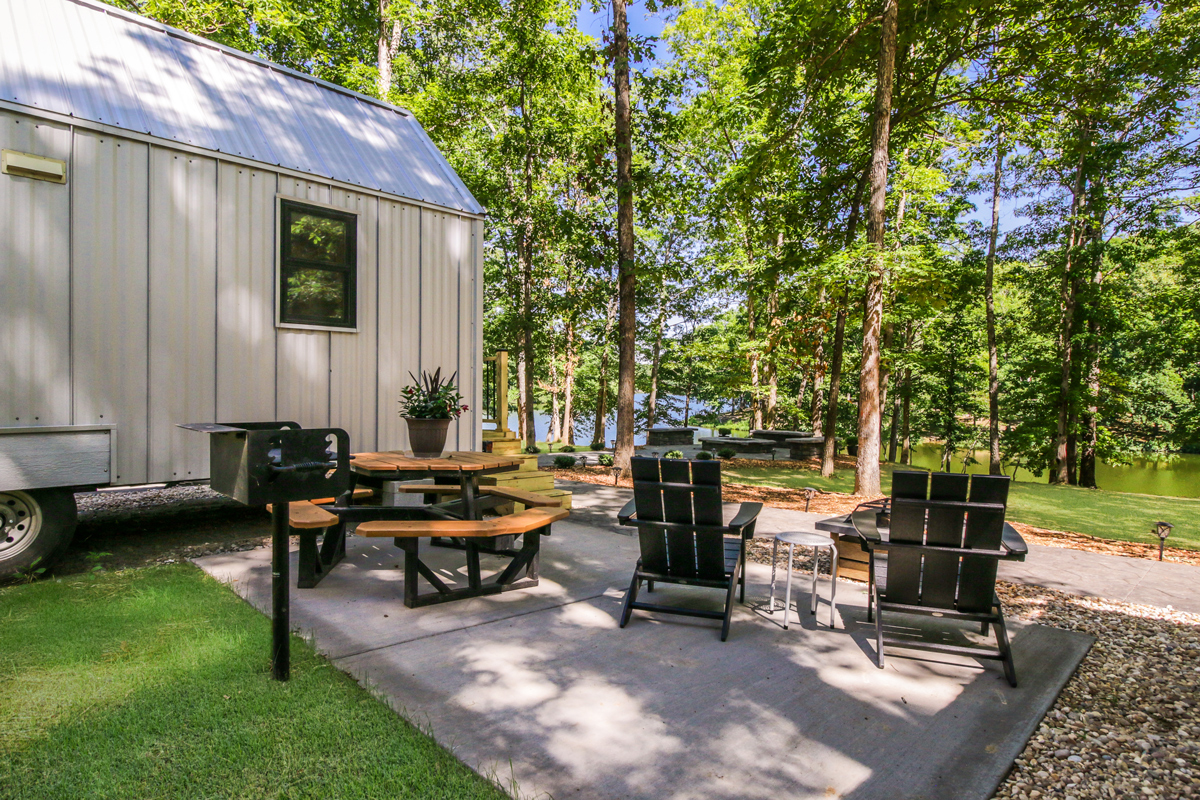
(627,279)
(866,473)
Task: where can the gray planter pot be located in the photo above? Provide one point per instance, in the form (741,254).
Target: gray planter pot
(427,437)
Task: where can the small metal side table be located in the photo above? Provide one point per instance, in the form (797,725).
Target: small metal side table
(805,539)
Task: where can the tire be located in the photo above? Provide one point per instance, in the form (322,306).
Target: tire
(36,527)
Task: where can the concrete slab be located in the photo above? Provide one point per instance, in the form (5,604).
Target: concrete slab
(542,689)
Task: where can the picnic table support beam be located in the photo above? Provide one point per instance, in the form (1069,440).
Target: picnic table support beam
(280,627)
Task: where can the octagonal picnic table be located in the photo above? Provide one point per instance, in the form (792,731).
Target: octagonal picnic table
(463,468)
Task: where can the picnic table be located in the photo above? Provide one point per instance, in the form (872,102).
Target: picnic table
(461,468)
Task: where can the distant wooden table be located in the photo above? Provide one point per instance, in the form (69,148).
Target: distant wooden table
(461,467)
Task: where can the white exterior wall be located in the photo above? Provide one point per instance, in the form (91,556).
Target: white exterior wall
(142,294)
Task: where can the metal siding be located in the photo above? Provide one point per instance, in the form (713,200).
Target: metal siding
(35,300)
(245,293)
(302,361)
(463,313)
(96,63)
(354,356)
(183,282)
(477,241)
(109,275)
(399,314)
(439,300)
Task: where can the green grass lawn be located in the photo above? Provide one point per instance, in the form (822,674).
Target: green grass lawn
(1110,515)
(155,683)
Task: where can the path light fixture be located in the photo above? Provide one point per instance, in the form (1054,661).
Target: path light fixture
(1162,530)
(583,461)
(809,494)
(616,474)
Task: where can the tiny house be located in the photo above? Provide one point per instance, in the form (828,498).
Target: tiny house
(189,233)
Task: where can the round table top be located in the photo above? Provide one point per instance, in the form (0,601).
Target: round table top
(806,538)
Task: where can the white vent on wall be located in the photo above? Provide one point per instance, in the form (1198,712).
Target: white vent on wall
(28,165)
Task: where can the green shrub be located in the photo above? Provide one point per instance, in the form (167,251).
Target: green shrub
(704,455)
(564,462)
(851,441)
(724,431)
(596,445)
(727,452)
(606,459)
(567,448)
(674,454)
(533,449)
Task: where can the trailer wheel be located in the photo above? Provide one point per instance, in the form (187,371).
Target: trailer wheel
(35,528)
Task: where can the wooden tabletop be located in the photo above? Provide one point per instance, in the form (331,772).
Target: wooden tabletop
(453,461)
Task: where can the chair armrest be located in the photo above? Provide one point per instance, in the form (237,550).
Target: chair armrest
(746,517)
(865,524)
(626,514)
(1014,543)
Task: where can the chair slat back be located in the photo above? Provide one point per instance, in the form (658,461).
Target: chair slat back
(985,527)
(907,525)
(959,511)
(684,494)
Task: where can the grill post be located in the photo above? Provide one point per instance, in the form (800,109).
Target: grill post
(281,651)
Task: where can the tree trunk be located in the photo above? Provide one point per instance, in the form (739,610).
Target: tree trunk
(994,467)
(555,433)
(652,401)
(756,418)
(1087,460)
(569,385)
(522,376)
(885,372)
(906,448)
(835,380)
(1059,469)
(866,472)
(627,326)
(948,433)
(602,394)
(894,428)
(815,418)
(1072,440)
(386,42)
(772,409)
(800,398)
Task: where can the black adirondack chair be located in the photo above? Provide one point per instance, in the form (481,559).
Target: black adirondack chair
(941,555)
(676,508)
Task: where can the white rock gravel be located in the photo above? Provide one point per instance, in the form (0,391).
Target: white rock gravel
(1127,725)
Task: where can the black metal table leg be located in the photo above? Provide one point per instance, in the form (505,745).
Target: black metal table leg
(280,641)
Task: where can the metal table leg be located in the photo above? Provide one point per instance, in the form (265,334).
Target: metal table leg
(833,584)
(787,597)
(774,563)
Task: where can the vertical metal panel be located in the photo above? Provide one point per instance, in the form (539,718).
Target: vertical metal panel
(245,293)
(354,356)
(109,286)
(35,287)
(302,363)
(183,284)
(469,361)
(439,299)
(476,317)
(399,314)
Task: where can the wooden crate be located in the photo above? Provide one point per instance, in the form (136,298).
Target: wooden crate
(852,559)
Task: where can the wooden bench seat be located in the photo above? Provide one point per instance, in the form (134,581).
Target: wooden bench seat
(512,524)
(524,496)
(304,515)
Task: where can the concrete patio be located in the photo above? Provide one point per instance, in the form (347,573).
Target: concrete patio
(543,691)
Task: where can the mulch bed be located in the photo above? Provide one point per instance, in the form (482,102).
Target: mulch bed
(834,503)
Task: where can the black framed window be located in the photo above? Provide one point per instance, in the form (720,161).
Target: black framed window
(318,265)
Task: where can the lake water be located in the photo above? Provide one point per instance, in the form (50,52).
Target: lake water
(1179,477)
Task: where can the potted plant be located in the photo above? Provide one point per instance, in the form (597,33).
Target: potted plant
(428,406)
(852,445)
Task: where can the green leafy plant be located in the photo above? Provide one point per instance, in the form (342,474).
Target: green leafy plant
(596,445)
(851,441)
(432,398)
(704,455)
(567,448)
(564,462)
(673,454)
(724,431)
(726,452)
(533,449)
(606,459)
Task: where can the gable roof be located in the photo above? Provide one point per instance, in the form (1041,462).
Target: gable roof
(93,62)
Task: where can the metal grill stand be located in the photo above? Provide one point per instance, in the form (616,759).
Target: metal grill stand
(277,463)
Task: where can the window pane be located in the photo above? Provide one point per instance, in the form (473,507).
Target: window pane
(316,238)
(317,295)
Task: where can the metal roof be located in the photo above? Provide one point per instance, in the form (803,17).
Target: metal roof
(90,61)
